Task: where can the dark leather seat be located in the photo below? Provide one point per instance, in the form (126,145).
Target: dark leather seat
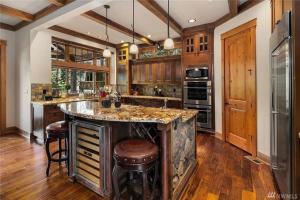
(135,151)
(59,127)
(135,156)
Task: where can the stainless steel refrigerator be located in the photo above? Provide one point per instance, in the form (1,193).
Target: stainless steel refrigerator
(281,115)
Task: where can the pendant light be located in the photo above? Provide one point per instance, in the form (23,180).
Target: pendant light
(169,43)
(106,52)
(133,49)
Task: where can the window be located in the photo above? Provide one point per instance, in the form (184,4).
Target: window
(76,53)
(80,67)
(77,80)
(58,51)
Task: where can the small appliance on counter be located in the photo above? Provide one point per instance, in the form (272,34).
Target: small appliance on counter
(48,98)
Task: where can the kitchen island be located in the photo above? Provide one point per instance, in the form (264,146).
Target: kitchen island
(98,129)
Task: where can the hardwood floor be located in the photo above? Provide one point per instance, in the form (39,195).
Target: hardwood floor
(222,173)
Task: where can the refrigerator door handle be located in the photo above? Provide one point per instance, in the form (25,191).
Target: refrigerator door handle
(275,112)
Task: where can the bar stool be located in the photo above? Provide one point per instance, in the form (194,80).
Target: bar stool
(57,131)
(135,156)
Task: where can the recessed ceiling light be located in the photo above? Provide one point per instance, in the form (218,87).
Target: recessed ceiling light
(122,41)
(192,20)
(149,36)
(89,33)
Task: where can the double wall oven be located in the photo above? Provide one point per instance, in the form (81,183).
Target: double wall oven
(197,92)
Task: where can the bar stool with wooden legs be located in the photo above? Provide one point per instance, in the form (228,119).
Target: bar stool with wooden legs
(136,156)
(57,131)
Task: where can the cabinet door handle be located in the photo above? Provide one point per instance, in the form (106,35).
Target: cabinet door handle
(87,153)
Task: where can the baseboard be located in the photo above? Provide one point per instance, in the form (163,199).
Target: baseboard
(24,133)
(219,135)
(16,130)
(264,158)
(10,130)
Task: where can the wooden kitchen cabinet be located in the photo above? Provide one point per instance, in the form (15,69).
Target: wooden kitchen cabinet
(42,116)
(197,47)
(278,8)
(156,71)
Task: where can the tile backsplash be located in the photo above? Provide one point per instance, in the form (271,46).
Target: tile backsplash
(168,90)
(37,91)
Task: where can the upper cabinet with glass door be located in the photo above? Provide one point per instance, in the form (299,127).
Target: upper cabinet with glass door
(197,47)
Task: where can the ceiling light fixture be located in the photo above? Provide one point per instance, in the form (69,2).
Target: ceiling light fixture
(106,52)
(169,43)
(133,49)
(122,41)
(149,36)
(89,33)
(192,20)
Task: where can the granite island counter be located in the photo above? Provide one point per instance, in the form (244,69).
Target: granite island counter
(95,130)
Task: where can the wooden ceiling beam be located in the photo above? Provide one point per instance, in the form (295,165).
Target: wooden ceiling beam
(233,7)
(248,4)
(159,12)
(7,27)
(81,35)
(6,10)
(58,3)
(114,25)
(43,12)
(236,9)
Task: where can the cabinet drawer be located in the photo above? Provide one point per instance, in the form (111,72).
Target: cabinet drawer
(88,153)
(88,161)
(88,138)
(88,145)
(88,168)
(89,176)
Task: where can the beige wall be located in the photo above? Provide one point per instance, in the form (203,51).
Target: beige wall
(262,12)
(9,36)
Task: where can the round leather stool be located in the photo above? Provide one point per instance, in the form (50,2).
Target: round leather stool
(136,155)
(57,131)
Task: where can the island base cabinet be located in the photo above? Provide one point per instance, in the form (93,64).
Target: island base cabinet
(90,156)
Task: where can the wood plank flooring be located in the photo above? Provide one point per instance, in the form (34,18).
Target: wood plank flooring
(222,173)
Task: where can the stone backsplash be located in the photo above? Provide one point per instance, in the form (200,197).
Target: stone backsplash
(37,91)
(167,89)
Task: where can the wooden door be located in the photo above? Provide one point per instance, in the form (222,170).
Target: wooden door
(240,86)
(2,86)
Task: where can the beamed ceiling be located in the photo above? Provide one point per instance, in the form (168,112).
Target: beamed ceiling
(150,17)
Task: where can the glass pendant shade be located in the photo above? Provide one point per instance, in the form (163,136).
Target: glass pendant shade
(133,49)
(106,53)
(169,44)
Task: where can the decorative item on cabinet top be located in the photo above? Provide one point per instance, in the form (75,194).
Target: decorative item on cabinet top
(161,53)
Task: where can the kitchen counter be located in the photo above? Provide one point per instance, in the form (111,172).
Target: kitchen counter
(127,113)
(61,100)
(152,97)
(76,99)
(173,130)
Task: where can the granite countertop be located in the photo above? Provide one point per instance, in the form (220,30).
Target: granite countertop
(151,97)
(61,100)
(75,99)
(127,113)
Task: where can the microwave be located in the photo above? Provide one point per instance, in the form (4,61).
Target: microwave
(197,72)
